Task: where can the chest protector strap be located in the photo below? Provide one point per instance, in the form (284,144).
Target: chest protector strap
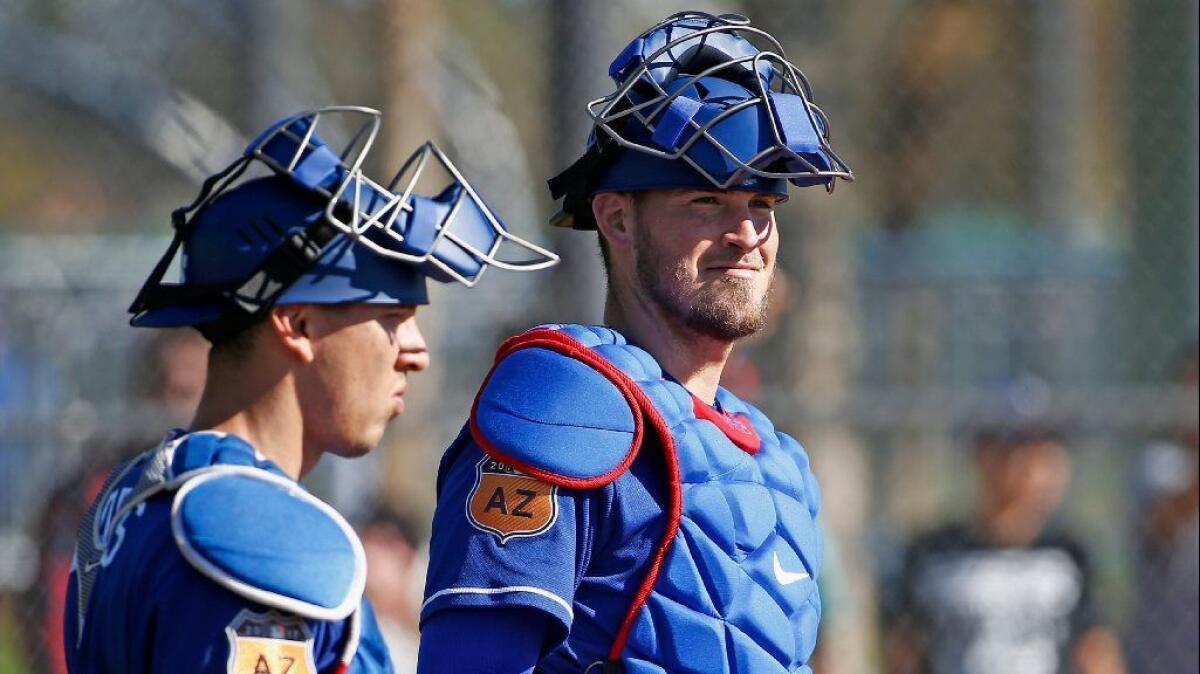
(563,443)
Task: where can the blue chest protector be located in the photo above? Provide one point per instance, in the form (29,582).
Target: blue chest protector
(190,558)
(731,586)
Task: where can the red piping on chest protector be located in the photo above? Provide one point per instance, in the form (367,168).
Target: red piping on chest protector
(737,428)
(643,410)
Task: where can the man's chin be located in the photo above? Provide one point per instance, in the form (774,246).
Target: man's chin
(354,451)
(727,316)
(352,448)
(724,328)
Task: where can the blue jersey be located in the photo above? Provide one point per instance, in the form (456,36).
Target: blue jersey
(592,555)
(653,530)
(203,556)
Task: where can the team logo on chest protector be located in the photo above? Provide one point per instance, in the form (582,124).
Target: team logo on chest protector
(269,643)
(510,504)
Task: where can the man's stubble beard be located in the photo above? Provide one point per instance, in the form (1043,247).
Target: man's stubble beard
(725,309)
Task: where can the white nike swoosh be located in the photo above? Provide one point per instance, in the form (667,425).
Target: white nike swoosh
(787,577)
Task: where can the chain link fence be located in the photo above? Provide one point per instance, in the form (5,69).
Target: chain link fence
(1015,263)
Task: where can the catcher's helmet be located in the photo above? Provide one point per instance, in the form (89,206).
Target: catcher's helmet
(698,104)
(316,230)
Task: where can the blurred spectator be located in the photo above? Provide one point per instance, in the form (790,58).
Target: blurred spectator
(1165,632)
(396,562)
(170,380)
(1006,592)
(164,391)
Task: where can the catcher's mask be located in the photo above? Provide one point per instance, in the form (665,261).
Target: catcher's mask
(315,229)
(699,105)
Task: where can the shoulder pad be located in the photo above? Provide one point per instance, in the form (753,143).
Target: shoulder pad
(264,538)
(559,412)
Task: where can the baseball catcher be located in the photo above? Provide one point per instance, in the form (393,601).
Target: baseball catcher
(609,507)
(205,554)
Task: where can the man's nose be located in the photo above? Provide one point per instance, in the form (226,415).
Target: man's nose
(414,354)
(747,234)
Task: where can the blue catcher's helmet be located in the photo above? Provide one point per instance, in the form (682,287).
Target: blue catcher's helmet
(315,230)
(699,105)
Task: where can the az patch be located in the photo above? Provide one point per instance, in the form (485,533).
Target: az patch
(508,503)
(269,643)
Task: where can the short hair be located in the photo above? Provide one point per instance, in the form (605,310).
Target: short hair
(236,345)
(1006,437)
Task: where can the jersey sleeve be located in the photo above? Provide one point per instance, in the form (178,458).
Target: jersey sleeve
(502,640)
(1085,615)
(504,539)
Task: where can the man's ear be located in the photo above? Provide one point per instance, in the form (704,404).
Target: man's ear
(292,324)
(613,212)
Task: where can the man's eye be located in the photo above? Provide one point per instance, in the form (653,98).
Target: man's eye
(396,317)
(762,203)
(706,200)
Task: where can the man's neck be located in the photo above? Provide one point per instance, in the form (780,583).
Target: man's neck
(695,360)
(264,412)
(1008,525)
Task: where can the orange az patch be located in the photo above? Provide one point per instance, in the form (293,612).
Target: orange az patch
(508,503)
(269,643)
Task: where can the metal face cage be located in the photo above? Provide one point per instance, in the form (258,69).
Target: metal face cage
(449,236)
(653,83)
(452,235)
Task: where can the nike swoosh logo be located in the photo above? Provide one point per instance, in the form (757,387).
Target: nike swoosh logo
(787,577)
